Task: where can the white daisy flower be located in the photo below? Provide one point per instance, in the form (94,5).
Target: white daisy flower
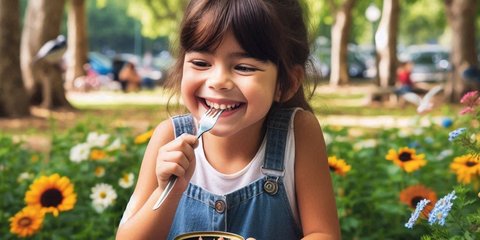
(126,181)
(99,171)
(328,138)
(473,138)
(115,145)
(80,152)
(367,143)
(404,132)
(444,154)
(418,131)
(103,195)
(97,140)
(98,207)
(24,176)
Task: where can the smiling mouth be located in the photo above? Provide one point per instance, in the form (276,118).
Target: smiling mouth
(226,107)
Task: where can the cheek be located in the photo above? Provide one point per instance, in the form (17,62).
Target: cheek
(259,93)
(188,88)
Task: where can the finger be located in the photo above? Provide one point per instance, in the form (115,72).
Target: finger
(190,139)
(185,143)
(181,153)
(178,157)
(167,169)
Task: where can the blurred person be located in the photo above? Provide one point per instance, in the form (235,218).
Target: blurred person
(404,81)
(117,65)
(89,81)
(130,77)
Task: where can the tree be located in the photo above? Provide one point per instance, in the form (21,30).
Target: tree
(77,41)
(13,96)
(158,18)
(422,21)
(43,79)
(340,36)
(461,19)
(386,43)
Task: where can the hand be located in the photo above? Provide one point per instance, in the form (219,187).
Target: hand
(176,158)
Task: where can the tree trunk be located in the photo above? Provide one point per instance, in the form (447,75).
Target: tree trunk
(13,95)
(340,33)
(386,43)
(461,19)
(77,41)
(43,79)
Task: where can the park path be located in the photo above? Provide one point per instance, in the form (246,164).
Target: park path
(161,98)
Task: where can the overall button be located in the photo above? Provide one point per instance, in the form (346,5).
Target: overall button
(271,187)
(220,206)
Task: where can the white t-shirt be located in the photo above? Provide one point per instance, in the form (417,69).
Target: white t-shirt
(208,178)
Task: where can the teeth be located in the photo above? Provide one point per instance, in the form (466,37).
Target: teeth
(221,106)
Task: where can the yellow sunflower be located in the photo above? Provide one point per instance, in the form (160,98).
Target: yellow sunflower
(144,137)
(414,194)
(406,159)
(338,166)
(467,167)
(52,194)
(27,222)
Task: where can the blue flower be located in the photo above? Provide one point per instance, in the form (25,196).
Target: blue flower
(455,133)
(414,144)
(441,209)
(447,122)
(413,218)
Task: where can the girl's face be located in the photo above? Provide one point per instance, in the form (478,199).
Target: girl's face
(230,79)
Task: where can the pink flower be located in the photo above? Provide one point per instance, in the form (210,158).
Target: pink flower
(467,110)
(470,98)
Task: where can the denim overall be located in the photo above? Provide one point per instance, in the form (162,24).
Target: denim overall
(260,210)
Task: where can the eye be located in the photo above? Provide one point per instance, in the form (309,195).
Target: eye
(246,68)
(201,64)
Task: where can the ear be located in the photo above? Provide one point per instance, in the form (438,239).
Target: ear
(296,79)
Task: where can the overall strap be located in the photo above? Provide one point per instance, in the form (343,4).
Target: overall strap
(183,124)
(278,122)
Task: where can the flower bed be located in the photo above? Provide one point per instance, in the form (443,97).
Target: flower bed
(78,190)
(396,183)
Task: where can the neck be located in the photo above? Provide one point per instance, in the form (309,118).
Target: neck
(231,154)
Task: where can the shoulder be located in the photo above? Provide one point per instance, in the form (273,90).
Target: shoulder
(163,133)
(306,124)
(309,141)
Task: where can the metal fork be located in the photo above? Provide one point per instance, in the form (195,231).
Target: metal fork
(206,123)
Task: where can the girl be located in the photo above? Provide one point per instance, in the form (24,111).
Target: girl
(261,172)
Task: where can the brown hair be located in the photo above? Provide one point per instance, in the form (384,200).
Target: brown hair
(271,30)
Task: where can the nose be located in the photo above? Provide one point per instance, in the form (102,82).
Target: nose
(220,80)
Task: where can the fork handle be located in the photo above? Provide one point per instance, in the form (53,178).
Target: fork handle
(166,192)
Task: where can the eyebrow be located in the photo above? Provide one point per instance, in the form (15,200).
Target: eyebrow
(233,54)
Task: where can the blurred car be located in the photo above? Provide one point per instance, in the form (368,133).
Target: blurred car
(357,67)
(430,62)
(163,62)
(100,63)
